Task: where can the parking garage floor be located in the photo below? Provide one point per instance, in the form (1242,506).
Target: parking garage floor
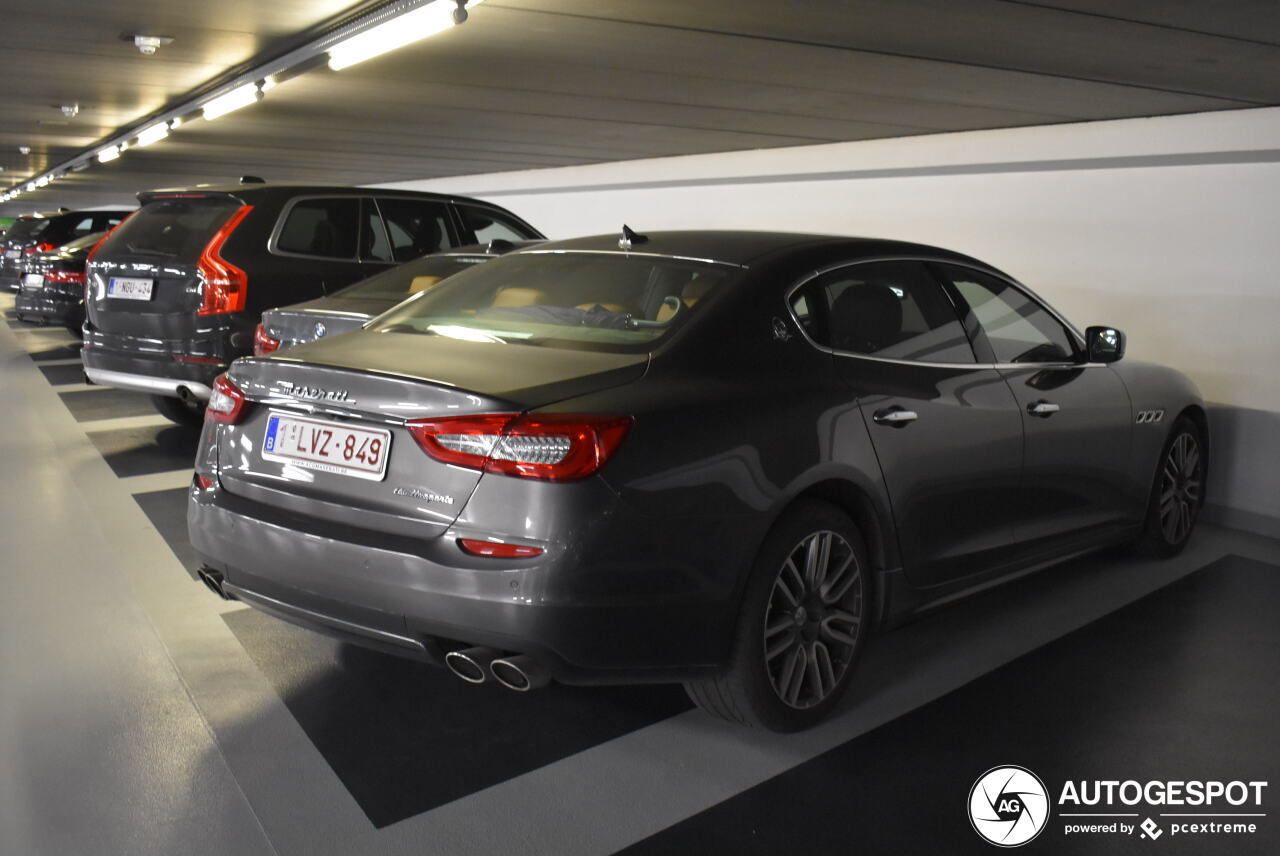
(139,714)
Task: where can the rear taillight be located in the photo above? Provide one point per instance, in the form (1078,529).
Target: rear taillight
(224,284)
(262,343)
(65,276)
(551,447)
(498,550)
(227,404)
(42,247)
(203,481)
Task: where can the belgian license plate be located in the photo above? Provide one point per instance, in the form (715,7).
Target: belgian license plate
(129,288)
(33,280)
(331,447)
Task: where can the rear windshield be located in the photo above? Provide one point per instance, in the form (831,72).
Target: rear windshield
(590,301)
(410,278)
(170,228)
(28,227)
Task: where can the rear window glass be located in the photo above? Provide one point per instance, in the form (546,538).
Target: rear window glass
(489,225)
(26,228)
(170,228)
(592,301)
(410,278)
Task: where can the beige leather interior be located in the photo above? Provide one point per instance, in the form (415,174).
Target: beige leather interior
(693,291)
(422,283)
(516,296)
(612,307)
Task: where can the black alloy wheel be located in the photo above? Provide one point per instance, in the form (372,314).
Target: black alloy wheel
(805,616)
(1177,493)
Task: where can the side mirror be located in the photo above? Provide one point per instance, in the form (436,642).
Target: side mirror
(1103,344)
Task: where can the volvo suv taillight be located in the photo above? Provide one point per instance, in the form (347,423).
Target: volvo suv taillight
(224,285)
(548,446)
(227,404)
(263,344)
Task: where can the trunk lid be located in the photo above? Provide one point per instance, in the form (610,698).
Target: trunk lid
(155,253)
(375,382)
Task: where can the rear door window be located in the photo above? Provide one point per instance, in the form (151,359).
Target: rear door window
(321,227)
(415,227)
(891,310)
(489,225)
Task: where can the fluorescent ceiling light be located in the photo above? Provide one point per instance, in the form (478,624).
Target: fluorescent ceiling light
(399,31)
(42,181)
(241,96)
(153,134)
(110,153)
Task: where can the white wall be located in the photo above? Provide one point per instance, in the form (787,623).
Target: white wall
(1168,228)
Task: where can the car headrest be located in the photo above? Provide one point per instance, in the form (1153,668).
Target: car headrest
(866,317)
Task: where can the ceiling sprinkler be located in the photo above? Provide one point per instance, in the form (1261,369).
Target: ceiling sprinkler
(70,110)
(147,45)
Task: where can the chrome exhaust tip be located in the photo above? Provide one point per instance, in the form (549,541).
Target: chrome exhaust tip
(213,581)
(471,664)
(520,673)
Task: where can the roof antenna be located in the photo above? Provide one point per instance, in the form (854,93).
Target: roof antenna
(630,237)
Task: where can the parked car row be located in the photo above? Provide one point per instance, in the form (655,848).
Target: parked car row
(714,458)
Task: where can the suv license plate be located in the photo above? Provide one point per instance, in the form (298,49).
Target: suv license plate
(129,288)
(33,281)
(331,447)
(12,254)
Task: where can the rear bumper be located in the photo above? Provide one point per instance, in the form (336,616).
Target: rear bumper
(157,374)
(46,304)
(589,623)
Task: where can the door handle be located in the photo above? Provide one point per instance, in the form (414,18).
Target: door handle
(896,416)
(1043,409)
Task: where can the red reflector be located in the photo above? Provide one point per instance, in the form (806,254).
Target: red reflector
(496,550)
(225,285)
(262,343)
(203,481)
(545,446)
(227,404)
(67,276)
(42,247)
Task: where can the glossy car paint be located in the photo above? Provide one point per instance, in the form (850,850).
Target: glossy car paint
(59,298)
(737,415)
(164,346)
(351,307)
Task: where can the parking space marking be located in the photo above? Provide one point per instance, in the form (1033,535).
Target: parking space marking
(168,480)
(115,423)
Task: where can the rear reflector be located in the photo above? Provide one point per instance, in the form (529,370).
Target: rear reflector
(550,447)
(42,247)
(224,285)
(67,276)
(227,404)
(203,481)
(262,343)
(497,550)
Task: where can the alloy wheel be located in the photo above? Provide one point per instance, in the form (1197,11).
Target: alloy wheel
(1180,488)
(813,619)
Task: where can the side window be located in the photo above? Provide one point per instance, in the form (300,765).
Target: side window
(82,227)
(415,227)
(373,236)
(892,310)
(327,228)
(1018,328)
(101,223)
(490,225)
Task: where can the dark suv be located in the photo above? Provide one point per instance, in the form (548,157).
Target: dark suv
(31,234)
(175,293)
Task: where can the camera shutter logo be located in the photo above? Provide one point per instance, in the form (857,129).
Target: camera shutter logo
(1008,805)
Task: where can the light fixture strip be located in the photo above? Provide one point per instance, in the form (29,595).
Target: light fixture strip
(234,99)
(320,46)
(153,134)
(404,29)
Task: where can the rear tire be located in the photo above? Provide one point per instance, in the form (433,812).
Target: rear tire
(803,621)
(178,411)
(1177,493)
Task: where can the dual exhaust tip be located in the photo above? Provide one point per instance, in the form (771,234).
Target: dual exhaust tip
(518,672)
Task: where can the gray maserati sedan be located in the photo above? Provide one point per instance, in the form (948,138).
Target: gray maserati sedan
(716,458)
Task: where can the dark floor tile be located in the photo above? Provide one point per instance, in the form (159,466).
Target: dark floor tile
(1180,685)
(141,451)
(89,404)
(167,511)
(69,351)
(406,737)
(62,375)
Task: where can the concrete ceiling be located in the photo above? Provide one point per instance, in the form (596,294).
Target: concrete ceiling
(534,83)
